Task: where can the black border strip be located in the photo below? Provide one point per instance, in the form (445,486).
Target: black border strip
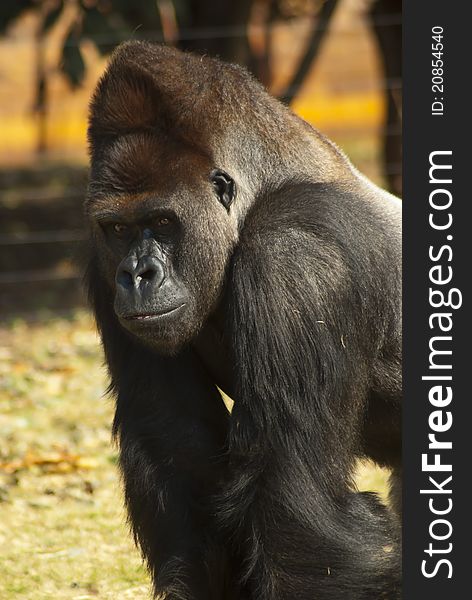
(425,247)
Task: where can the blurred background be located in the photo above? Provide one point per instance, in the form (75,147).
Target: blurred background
(336,62)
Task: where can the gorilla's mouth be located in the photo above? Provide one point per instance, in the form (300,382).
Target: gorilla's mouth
(154,316)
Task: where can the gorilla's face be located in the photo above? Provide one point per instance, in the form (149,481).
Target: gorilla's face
(163,234)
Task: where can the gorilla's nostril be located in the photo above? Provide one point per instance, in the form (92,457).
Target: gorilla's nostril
(125,279)
(149,274)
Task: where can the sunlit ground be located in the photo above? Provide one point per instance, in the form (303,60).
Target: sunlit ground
(62,527)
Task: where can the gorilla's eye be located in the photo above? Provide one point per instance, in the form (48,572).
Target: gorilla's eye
(225,187)
(120,230)
(163,222)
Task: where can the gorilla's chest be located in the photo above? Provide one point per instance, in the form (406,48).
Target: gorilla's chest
(213,350)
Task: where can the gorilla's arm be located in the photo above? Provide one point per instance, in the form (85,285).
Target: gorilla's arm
(307,290)
(172,441)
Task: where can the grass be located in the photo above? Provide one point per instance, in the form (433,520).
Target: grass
(62,527)
(63,532)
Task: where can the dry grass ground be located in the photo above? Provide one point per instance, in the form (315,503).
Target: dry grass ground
(63,533)
(62,527)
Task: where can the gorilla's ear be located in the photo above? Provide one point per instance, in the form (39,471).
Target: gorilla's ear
(225,187)
(126,99)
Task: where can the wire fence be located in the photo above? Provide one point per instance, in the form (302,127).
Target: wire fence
(238,31)
(41,237)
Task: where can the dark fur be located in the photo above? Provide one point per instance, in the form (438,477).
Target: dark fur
(294,310)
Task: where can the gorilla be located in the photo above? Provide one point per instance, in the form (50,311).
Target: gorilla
(234,248)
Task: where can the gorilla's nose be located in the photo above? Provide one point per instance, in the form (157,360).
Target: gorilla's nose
(134,274)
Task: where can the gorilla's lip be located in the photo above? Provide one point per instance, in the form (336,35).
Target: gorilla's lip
(141,317)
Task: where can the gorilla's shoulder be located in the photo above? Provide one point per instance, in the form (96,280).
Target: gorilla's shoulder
(353,206)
